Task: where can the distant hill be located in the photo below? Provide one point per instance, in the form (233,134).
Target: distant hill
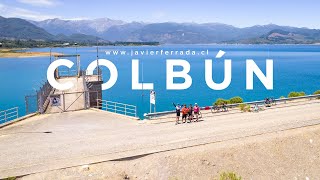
(279,36)
(68,27)
(16,28)
(174,33)
(106,30)
(21,29)
(79,38)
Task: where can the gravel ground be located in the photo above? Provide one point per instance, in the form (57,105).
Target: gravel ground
(255,145)
(291,154)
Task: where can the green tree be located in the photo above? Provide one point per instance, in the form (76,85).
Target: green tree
(221,101)
(296,94)
(317,92)
(236,99)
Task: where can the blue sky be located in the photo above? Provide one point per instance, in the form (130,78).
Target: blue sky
(240,13)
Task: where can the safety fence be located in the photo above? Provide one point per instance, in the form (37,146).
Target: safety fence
(9,115)
(116,107)
(262,102)
(39,101)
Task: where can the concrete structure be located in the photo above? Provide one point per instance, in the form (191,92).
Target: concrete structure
(80,96)
(84,93)
(54,141)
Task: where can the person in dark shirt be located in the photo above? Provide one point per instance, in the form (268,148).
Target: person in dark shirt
(178,109)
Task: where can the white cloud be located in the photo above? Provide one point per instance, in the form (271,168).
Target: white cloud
(76,18)
(8,11)
(159,14)
(41,3)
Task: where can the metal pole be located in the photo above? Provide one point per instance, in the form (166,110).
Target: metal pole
(17,112)
(125,109)
(50,54)
(106,105)
(26,100)
(41,104)
(85,99)
(135,109)
(98,103)
(78,65)
(98,71)
(5,116)
(115,107)
(64,102)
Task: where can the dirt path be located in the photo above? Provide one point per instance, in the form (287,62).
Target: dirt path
(291,154)
(86,137)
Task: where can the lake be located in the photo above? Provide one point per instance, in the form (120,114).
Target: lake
(296,68)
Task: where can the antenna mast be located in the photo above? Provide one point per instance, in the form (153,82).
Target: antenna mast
(98,71)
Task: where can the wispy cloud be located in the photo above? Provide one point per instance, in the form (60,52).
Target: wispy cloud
(158,14)
(76,18)
(40,3)
(9,11)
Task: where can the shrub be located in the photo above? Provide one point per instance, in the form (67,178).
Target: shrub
(242,107)
(229,176)
(221,101)
(296,94)
(248,108)
(10,178)
(236,99)
(317,92)
(282,97)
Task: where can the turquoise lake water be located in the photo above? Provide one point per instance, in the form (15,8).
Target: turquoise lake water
(296,68)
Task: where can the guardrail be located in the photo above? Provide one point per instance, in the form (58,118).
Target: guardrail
(116,107)
(68,73)
(9,115)
(281,100)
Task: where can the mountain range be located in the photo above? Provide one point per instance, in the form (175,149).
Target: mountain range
(105,29)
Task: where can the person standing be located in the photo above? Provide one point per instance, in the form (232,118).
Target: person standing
(178,109)
(196,110)
(185,112)
(190,113)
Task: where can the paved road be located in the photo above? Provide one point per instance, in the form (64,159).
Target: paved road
(56,141)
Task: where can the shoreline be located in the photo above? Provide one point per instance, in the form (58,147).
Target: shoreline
(15,53)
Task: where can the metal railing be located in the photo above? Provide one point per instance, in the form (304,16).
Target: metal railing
(281,100)
(43,97)
(9,115)
(116,107)
(68,73)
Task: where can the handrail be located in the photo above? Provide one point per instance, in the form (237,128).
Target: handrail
(148,115)
(6,115)
(116,107)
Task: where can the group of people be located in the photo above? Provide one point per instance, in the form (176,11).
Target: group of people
(269,101)
(187,112)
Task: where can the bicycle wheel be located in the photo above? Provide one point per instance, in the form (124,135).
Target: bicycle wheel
(200,115)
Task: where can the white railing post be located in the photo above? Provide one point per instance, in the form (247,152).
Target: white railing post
(115,107)
(17,111)
(5,116)
(125,109)
(135,111)
(97,103)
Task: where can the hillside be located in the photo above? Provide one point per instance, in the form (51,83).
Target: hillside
(21,29)
(108,30)
(177,33)
(18,29)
